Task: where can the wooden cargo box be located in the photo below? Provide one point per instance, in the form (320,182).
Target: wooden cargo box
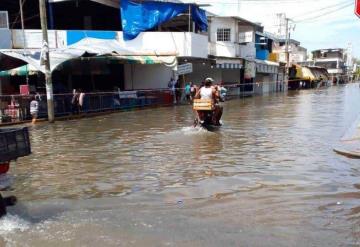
(203,105)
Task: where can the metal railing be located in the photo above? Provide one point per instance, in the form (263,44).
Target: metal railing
(16,108)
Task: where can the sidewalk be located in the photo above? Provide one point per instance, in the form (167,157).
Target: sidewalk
(349,145)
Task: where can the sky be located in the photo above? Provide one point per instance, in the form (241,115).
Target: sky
(317,24)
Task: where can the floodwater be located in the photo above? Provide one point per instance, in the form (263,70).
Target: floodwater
(268,177)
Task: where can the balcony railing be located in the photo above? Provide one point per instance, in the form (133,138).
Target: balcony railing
(186,44)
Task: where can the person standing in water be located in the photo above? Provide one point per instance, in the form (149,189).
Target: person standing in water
(75,102)
(81,100)
(34,109)
(188,92)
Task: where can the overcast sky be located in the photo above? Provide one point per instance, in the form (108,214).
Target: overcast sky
(319,23)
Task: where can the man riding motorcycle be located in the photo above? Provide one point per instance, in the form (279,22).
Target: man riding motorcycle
(209,92)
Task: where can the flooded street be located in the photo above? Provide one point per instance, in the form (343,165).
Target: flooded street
(268,177)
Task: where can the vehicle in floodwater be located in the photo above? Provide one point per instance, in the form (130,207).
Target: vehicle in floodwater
(207,114)
(14,143)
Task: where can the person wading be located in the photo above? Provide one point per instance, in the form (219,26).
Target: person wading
(34,109)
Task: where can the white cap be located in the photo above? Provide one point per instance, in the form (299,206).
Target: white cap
(209,79)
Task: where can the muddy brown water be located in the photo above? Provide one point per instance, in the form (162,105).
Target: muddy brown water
(268,177)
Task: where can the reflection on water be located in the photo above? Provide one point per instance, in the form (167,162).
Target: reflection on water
(146,178)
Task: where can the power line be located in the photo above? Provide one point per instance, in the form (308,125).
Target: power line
(323,14)
(324,8)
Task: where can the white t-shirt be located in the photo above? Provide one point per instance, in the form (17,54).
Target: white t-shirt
(34,107)
(81,99)
(206,93)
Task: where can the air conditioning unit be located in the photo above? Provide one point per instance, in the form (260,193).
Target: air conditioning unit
(4,20)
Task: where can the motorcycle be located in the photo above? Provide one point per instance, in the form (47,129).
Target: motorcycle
(206,113)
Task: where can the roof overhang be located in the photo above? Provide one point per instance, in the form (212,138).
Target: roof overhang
(238,19)
(85,49)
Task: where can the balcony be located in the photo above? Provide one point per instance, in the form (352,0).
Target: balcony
(186,44)
(247,51)
(246,37)
(232,50)
(223,49)
(33,39)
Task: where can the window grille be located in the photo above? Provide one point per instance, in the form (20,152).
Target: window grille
(4,20)
(223,34)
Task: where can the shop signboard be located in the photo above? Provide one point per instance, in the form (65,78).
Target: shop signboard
(183,69)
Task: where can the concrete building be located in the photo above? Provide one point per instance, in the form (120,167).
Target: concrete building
(82,20)
(233,50)
(334,61)
(236,39)
(297,53)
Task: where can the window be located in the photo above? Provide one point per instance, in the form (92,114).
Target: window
(4,23)
(327,65)
(223,34)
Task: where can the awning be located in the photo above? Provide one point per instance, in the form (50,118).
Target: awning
(266,67)
(20,71)
(99,65)
(229,64)
(307,74)
(88,47)
(319,73)
(166,60)
(299,73)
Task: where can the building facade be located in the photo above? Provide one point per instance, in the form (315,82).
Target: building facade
(297,53)
(334,60)
(234,51)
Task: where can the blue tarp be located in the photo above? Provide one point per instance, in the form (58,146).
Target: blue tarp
(139,17)
(199,17)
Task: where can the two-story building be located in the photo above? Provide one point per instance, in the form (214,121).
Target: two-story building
(297,53)
(233,50)
(238,40)
(139,66)
(334,61)
(269,76)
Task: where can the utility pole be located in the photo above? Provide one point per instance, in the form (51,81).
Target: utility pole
(287,54)
(24,36)
(46,59)
(189,18)
(22,22)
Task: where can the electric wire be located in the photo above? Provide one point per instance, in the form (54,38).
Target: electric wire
(321,9)
(323,14)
